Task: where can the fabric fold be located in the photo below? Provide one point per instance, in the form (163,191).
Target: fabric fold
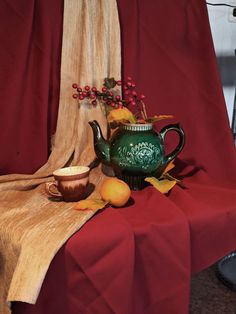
(33,227)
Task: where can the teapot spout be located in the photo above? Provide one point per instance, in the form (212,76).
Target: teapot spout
(101,146)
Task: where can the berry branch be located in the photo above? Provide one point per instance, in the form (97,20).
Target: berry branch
(110,97)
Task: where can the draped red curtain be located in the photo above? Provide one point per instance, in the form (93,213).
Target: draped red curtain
(147,250)
(168,49)
(30,36)
(170,56)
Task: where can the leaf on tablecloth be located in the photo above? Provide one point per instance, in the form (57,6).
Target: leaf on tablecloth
(170,166)
(93,204)
(170,177)
(163,186)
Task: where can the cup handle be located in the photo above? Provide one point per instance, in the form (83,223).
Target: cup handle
(180,131)
(49,186)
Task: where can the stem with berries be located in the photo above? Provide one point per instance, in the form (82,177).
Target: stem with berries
(111,98)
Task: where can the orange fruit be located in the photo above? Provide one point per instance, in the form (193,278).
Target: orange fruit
(115,191)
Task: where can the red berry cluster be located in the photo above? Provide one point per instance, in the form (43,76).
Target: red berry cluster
(130,93)
(107,95)
(111,96)
(133,100)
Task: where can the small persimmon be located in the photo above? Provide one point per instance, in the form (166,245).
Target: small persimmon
(115,191)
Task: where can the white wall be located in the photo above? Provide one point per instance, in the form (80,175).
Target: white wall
(224,37)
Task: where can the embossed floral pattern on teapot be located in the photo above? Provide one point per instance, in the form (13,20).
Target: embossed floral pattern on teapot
(136,151)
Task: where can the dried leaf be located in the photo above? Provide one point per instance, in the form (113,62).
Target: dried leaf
(169,177)
(158,118)
(122,114)
(170,166)
(93,204)
(163,186)
(109,82)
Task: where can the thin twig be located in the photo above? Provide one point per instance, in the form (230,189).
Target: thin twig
(143,111)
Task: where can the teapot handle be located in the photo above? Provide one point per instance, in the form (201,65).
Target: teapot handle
(180,131)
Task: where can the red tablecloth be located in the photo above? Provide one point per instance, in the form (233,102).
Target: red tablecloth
(139,259)
(124,260)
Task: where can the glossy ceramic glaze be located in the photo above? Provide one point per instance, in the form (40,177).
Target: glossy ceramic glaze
(136,151)
(70,183)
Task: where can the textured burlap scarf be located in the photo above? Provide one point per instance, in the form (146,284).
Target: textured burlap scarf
(32,227)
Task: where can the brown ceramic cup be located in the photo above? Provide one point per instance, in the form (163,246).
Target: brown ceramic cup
(70,183)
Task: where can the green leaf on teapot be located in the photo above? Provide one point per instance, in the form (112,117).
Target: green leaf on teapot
(109,83)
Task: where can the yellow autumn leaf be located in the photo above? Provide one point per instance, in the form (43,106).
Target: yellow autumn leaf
(163,116)
(170,166)
(167,176)
(121,114)
(93,204)
(163,186)
(159,117)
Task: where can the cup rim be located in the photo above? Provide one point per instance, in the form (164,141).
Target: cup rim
(71,171)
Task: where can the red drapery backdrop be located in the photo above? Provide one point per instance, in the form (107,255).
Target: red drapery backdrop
(147,250)
(30,36)
(168,49)
(184,83)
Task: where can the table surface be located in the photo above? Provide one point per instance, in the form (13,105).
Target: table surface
(139,259)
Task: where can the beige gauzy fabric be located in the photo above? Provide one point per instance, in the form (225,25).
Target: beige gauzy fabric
(33,227)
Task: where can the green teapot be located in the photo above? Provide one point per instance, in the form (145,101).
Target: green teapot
(136,151)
